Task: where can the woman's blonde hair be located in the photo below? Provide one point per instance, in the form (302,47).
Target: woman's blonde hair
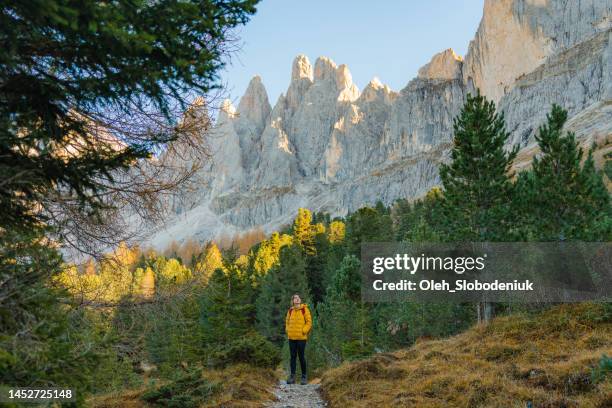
(292,296)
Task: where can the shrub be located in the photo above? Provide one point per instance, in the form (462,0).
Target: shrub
(43,342)
(252,349)
(355,349)
(189,390)
(604,367)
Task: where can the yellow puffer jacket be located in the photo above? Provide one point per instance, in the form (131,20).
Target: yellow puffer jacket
(298,323)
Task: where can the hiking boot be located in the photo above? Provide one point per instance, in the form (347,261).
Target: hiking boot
(291,379)
(304,381)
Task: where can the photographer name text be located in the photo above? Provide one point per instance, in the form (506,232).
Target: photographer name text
(429,285)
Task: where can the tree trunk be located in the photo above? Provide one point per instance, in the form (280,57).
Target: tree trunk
(485,312)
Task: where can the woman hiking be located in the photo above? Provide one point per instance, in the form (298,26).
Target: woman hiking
(297,325)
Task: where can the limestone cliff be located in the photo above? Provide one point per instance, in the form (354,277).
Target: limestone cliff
(326,146)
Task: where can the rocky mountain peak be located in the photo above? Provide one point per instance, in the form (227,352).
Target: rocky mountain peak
(445,65)
(301,79)
(344,82)
(339,77)
(375,83)
(376,90)
(325,69)
(505,47)
(254,106)
(516,36)
(301,68)
(344,79)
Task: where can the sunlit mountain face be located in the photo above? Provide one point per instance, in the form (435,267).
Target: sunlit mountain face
(326,145)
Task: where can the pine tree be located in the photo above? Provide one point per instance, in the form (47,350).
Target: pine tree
(269,306)
(345,321)
(367,225)
(226,306)
(315,267)
(346,282)
(560,198)
(419,221)
(477,183)
(596,209)
(39,342)
(280,283)
(171,330)
(65,63)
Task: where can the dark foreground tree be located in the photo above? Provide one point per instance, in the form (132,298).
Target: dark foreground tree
(94,120)
(40,344)
(89,89)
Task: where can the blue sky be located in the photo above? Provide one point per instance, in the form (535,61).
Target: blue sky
(387,39)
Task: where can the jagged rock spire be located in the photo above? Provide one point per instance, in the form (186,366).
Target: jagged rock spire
(444,65)
(376,90)
(254,107)
(301,79)
(339,76)
(301,68)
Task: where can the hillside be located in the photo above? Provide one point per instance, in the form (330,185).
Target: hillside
(548,359)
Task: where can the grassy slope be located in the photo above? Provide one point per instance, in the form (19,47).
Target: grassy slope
(240,386)
(546,359)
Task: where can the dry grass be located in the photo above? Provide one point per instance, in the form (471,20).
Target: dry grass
(127,399)
(242,386)
(546,359)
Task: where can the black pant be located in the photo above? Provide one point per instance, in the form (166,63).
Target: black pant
(297,347)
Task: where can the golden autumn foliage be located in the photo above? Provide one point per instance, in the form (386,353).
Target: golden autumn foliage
(303,231)
(336,232)
(267,254)
(147,286)
(212,260)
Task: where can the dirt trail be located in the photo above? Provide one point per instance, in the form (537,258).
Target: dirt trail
(297,396)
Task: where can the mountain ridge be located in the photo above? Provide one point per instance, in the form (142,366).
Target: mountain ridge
(327,146)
